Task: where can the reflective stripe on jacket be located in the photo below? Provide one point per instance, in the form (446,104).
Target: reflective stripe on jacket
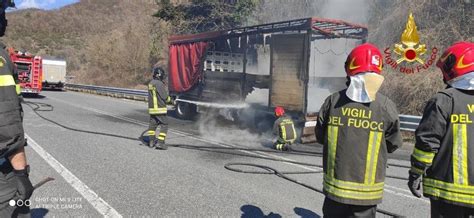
(285,129)
(356,139)
(158,97)
(11,128)
(444,147)
(18,89)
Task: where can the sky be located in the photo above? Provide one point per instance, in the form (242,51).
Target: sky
(43,4)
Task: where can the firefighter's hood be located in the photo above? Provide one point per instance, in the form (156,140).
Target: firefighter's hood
(464,82)
(364,87)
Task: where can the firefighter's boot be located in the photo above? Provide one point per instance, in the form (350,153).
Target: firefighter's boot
(282,146)
(151,138)
(287,147)
(161,145)
(151,144)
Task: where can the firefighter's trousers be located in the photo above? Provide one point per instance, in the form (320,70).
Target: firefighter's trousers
(15,211)
(442,209)
(7,192)
(283,145)
(155,121)
(335,209)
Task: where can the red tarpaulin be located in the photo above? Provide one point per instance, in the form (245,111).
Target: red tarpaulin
(185,66)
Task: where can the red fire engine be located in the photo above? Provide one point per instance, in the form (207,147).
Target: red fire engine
(30,71)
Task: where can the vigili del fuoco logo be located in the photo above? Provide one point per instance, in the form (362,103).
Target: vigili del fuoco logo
(410,53)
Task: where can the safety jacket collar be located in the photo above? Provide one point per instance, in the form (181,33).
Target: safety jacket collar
(464,82)
(364,87)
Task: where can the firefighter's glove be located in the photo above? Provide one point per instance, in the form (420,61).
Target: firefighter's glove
(23,183)
(414,183)
(169,101)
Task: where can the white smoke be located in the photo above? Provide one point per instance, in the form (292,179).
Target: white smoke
(326,71)
(235,105)
(355,11)
(260,65)
(327,74)
(223,126)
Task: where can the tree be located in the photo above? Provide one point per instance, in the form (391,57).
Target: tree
(205,15)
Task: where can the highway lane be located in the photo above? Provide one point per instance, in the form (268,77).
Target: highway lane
(183,181)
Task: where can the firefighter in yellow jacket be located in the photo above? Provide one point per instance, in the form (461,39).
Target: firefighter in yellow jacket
(158,98)
(444,149)
(357,126)
(285,129)
(15,185)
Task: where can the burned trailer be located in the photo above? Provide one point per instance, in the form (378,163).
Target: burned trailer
(227,66)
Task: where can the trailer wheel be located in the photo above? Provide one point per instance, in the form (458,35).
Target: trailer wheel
(185,110)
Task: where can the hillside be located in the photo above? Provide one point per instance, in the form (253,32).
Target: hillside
(115,42)
(107,42)
(440,23)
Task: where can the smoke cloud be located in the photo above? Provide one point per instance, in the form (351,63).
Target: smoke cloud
(240,127)
(326,71)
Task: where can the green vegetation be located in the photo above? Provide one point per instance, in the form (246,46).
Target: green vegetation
(205,15)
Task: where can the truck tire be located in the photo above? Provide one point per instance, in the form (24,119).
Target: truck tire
(185,111)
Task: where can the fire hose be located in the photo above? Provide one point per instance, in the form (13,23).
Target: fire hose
(42,182)
(36,107)
(42,107)
(270,170)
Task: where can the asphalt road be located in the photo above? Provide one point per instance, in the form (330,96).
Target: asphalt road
(100,168)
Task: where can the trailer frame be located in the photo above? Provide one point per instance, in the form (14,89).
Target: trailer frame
(313,28)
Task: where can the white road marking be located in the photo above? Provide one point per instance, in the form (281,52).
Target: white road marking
(257,153)
(260,154)
(98,203)
(406,196)
(177,132)
(403,190)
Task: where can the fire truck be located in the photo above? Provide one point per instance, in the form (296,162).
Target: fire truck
(29,70)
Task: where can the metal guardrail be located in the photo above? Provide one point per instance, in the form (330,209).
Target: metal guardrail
(407,122)
(105,89)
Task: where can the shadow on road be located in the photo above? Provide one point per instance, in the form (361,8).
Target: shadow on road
(52,90)
(305,213)
(33,96)
(38,212)
(251,211)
